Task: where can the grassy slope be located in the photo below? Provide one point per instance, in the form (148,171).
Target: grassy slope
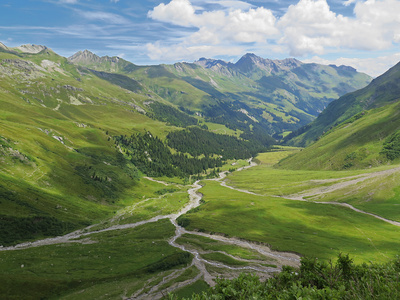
(108,265)
(42,177)
(380,92)
(304,227)
(354,144)
(286,101)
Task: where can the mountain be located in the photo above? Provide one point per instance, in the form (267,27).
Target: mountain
(273,96)
(361,129)
(111,64)
(383,90)
(69,137)
(104,156)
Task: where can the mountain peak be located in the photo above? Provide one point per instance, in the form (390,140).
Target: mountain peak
(4,47)
(88,57)
(209,62)
(31,48)
(84,56)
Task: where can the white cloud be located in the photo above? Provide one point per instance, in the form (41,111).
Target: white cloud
(307,27)
(68,1)
(178,12)
(372,66)
(311,27)
(232,4)
(219,29)
(104,16)
(182,52)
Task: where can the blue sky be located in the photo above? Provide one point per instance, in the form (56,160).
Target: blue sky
(362,33)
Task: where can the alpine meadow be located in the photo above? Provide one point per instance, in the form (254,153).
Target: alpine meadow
(248,178)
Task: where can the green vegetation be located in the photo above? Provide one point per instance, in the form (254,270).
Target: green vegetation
(171,115)
(391,146)
(225,259)
(207,244)
(314,280)
(381,92)
(196,141)
(154,158)
(317,230)
(118,260)
(365,142)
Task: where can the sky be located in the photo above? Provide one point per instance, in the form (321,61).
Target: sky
(364,34)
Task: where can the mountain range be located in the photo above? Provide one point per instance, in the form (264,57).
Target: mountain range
(274,96)
(109,152)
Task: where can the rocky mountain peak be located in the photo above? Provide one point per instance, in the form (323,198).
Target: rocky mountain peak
(210,63)
(4,47)
(88,57)
(84,56)
(31,48)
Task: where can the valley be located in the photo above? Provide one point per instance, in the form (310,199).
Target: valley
(216,245)
(125,181)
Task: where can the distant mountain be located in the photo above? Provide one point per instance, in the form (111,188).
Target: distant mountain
(90,60)
(381,91)
(273,96)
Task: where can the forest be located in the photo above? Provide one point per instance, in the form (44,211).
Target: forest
(151,156)
(196,141)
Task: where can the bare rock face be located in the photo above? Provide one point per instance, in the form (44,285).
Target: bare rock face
(84,56)
(88,57)
(30,48)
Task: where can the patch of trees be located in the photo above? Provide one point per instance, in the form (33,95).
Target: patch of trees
(151,156)
(315,280)
(196,141)
(391,146)
(229,114)
(17,229)
(171,115)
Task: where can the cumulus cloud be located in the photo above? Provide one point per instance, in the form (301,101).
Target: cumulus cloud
(306,28)
(219,27)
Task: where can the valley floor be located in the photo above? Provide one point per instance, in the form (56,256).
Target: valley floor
(245,221)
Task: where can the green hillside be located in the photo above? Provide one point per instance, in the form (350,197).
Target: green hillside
(62,164)
(270,96)
(111,183)
(381,91)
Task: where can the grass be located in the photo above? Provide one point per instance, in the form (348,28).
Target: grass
(307,228)
(225,259)
(207,244)
(265,179)
(353,145)
(108,259)
(196,288)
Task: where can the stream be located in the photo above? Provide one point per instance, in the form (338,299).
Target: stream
(280,258)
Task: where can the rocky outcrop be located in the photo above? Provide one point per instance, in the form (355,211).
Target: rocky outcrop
(30,48)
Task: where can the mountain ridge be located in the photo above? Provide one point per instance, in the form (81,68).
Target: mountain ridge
(381,91)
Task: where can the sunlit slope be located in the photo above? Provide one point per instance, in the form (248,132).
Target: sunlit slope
(381,91)
(256,205)
(359,142)
(277,96)
(60,169)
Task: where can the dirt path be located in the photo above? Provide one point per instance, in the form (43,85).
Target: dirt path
(327,189)
(340,185)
